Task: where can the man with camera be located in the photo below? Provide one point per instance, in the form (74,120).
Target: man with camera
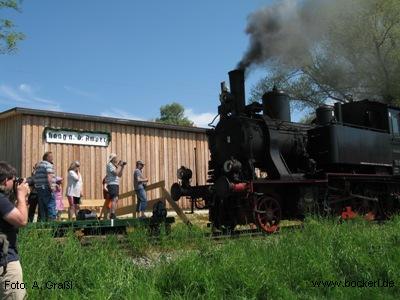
(139,184)
(113,173)
(12,216)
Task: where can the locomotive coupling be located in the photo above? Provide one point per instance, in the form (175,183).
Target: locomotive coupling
(176,191)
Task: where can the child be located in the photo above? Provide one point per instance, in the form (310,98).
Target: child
(59,197)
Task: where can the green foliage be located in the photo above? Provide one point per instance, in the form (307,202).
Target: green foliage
(185,265)
(357,57)
(308,118)
(8,36)
(173,114)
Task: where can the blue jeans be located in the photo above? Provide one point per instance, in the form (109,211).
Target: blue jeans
(142,200)
(52,208)
(44,195)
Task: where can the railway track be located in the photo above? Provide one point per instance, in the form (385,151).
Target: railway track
(250,232)
(123,241)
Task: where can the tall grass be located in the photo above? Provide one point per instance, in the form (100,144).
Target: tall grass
(184,265)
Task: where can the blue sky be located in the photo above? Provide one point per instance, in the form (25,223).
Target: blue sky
(125,58)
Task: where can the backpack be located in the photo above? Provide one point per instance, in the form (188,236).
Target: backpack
(4,252)
(159,212)
(86,214)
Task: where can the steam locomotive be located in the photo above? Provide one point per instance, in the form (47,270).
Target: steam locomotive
(264,168)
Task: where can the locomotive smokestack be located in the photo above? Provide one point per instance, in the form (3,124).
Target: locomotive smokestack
(236,81)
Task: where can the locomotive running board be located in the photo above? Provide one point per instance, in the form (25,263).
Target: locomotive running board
(368,177)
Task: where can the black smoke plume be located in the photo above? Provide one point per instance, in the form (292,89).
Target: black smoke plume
(287,30)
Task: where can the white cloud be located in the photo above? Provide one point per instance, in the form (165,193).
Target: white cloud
(24,95)
(23,87)
(78,92)
(11,94)
(201,119)
(120,114)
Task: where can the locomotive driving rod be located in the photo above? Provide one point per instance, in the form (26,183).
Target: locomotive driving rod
(351,195)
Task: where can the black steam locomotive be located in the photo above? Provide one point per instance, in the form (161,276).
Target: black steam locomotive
(264,168)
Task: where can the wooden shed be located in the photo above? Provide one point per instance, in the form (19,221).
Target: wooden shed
(26,134)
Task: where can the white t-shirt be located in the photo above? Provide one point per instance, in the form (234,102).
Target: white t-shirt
(74,185)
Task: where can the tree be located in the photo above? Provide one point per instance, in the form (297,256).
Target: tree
(8,36)
(350,51)
(308,118)
(173,114)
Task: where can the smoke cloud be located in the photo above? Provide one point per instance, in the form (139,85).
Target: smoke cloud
(289,29)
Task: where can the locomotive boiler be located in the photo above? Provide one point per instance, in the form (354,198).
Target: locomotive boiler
(264,168)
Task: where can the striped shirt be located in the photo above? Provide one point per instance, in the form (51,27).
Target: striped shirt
(42,170)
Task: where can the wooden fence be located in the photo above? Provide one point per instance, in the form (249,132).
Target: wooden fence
(131,208)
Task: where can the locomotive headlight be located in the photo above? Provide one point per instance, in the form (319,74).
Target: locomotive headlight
(184,173)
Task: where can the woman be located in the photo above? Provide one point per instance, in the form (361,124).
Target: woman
(74,188)
(33,198)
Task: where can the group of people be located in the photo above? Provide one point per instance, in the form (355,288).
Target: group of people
(47,193)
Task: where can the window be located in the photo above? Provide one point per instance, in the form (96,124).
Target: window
(394,122)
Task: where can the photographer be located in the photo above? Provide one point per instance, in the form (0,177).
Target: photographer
(139,184)
(113,173)
(12,216)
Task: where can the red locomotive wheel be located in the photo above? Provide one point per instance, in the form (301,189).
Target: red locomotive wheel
(366,209)
(267,214)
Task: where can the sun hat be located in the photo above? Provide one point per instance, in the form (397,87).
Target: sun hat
(140,162)
(112,156)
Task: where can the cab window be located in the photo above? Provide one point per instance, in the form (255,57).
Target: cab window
(394,118)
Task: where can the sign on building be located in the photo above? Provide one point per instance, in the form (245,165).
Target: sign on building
(76,137)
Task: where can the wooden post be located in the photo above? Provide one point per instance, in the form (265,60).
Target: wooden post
(164,196)
(176,207)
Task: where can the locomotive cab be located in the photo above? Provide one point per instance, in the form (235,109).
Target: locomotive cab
(363,139)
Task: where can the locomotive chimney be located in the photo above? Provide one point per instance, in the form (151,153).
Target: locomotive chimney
(236,81)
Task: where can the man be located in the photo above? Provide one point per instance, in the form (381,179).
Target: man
(113,173)
(11,218)
(45,186)
(139,184)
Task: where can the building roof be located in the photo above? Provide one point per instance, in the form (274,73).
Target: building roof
(72,116)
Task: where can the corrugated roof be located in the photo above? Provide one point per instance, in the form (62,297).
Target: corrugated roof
(91,118)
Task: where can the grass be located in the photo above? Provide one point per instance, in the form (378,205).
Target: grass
(184,265)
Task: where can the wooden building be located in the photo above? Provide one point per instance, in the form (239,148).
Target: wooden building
(26,134)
